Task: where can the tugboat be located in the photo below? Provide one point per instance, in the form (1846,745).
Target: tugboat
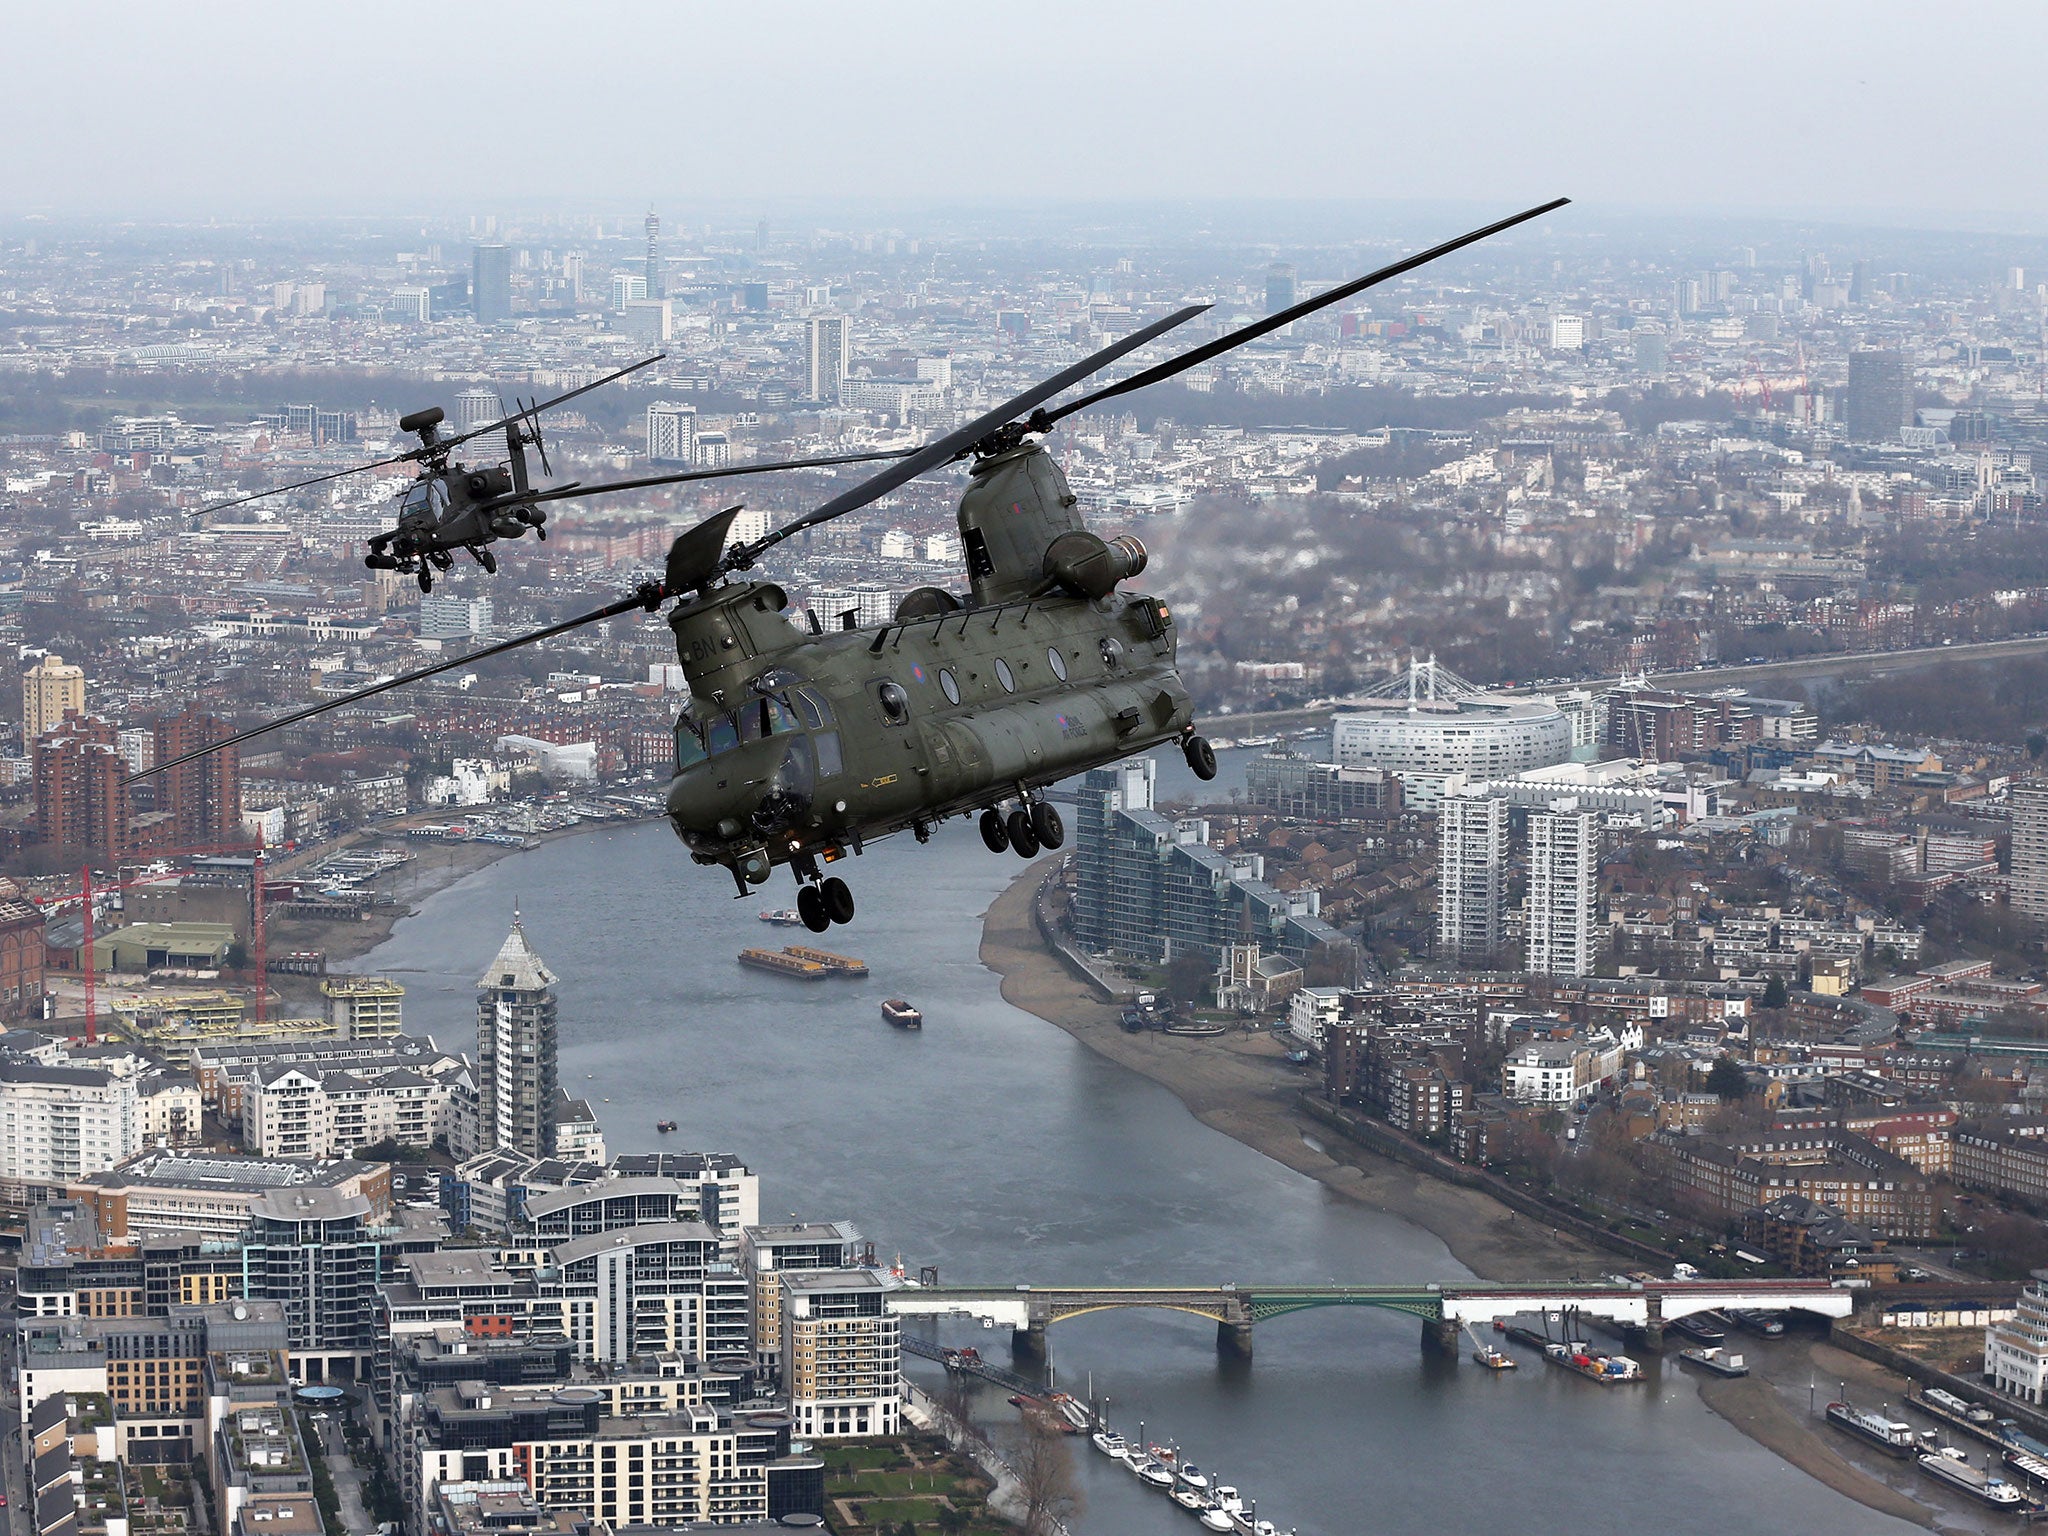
(901,1014)
(782,917)
(664,1126)
(1493,1359)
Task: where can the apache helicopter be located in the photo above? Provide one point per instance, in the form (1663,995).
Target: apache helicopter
(800,746)
(450,507)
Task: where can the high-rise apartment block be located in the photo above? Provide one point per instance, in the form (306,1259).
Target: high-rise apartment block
(1564,890)
(842,1352)
(517,1073)
(1471,867)
(825,357)
(365,1007)
(204,796)
(1880,398)
(81,801)
(2029,801)
(490,292)
(654,277)
(50,690)
(672,432)
(1280,287)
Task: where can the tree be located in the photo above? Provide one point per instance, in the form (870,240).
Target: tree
(2036,745)
(1190,977)
(1045,1476)
(1726,1081)
(1775,995)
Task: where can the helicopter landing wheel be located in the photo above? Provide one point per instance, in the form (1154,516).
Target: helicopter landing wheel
(835,899)
(810,906)
(1022,838)
(1201,757)
(993,832)
(426,579)
(1047,825)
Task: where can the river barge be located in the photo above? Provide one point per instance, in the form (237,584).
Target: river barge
(1951,1466)
(1716,1360)
(901,1014)
(838,965)
(1608,1370)
(781,964)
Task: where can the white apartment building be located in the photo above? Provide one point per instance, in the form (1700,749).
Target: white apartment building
(2029,803)
(1564,932)
(297,1110)
(1311,1011)
(842,1354)
(2016,1350)
(1471,869)
(60,1123)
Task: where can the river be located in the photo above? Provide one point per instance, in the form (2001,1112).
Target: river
(999,1149)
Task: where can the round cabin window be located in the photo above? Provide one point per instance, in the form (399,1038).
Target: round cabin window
(1057,662)
(1003,676)
(949,685)
(895,702)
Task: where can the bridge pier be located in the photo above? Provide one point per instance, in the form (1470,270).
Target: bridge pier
(1028,1343)
(1234,1340)
(1439,1336)
(1653,1325)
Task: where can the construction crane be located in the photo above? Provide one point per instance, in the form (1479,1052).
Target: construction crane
(88,891)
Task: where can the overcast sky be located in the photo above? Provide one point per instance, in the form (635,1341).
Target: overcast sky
(201,109)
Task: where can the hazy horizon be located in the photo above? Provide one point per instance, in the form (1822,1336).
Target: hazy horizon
(1827,112)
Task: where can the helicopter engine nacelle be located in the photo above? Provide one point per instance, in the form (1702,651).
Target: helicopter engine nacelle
(1082,564)
(484,484)
(1016,505)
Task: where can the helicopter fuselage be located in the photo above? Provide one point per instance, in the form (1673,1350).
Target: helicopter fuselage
(805,746)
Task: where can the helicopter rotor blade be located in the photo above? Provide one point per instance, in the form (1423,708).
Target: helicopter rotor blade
(646,598)
(960,440)
(546,405)
(1294,312)
(567,493)
(300,485)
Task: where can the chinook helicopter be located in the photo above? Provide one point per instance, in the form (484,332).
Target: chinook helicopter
(451,507)
(802,744)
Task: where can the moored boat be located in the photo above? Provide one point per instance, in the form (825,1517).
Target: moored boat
(1699,1327)
(1216,1518)
(1187,1499)
(1719,1361)
(1111,1444)
(1073,1411)
(1887,1434)
(901,1014)
(1152,1472)
(1769,1324)
(1192,1476)
(1951,1466)
(1605,1369)
(2033,1468)
(1493,1359)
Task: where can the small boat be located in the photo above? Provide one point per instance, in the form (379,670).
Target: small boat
(1073,1412)
(664,1126)
(1188,1500)
(1153,1473)
(1719,1361)
(782,917)
(1216,1518)
(1192,1476)
(901,1014)
(1111,1444)
(1951,1466)
(1769,1324)
(1493,1359)
(1228,1499)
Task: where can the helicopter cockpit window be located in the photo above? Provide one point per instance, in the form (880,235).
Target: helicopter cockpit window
(721,735)
(894,701)
(429,496)
(689,745)
(811,708)
(765,717)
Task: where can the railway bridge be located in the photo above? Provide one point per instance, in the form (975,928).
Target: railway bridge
(1442,1309)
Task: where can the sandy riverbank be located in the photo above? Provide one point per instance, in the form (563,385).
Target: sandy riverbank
(1243,1086)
